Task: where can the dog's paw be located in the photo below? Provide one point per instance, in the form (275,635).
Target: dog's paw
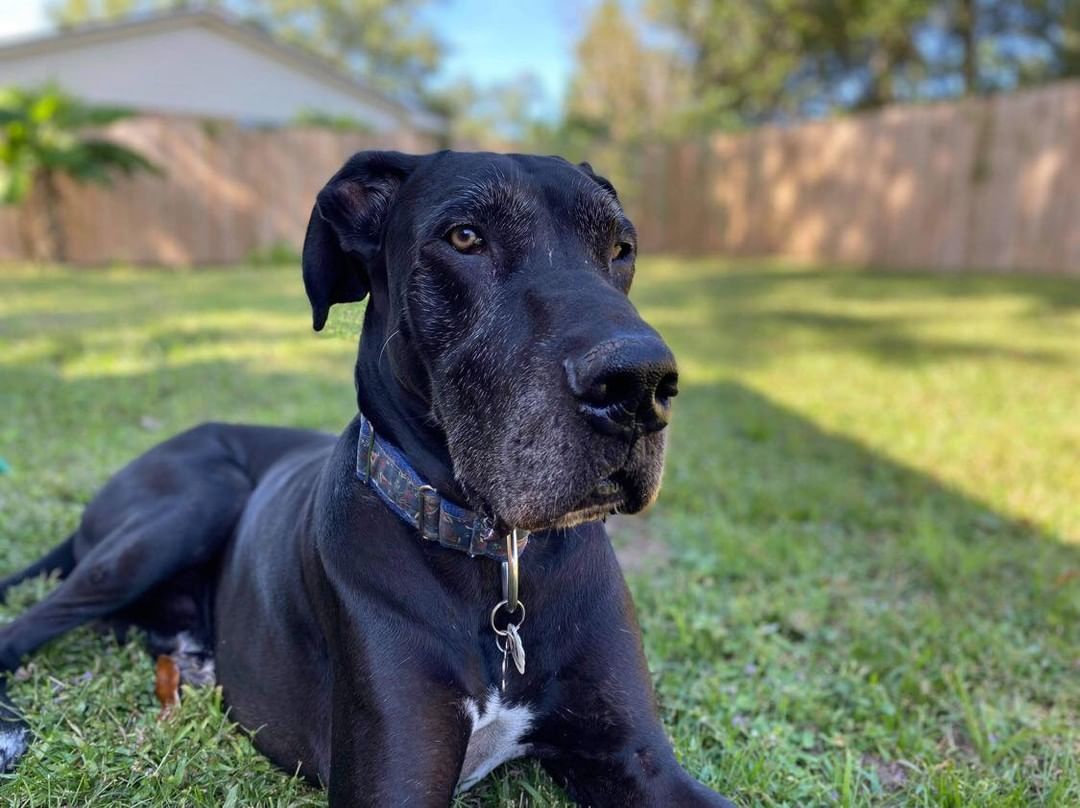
(14,741)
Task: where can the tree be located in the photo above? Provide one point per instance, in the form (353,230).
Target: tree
(625,91)
(501,116)
(1011,44)
(756,61)
(68,13)
(380,41)
(622,86)
(43,137)
(383,42)
(774,59)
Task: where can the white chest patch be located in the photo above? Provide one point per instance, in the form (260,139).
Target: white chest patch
(497,730)
(14,739)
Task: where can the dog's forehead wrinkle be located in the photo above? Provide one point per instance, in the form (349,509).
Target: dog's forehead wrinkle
(596,210)
(509,207)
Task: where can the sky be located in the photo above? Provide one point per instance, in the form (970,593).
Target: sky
(488,40)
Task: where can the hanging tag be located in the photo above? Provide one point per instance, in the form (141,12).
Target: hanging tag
(516,647)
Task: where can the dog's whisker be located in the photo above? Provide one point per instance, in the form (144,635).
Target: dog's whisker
(382,350)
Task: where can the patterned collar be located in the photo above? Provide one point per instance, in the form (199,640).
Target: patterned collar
(383,467)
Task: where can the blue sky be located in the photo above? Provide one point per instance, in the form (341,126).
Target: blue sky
(489,41)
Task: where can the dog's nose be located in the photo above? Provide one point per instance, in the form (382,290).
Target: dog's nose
(625,384)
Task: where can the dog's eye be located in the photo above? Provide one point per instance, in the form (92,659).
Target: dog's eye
(465,239)
(621,250)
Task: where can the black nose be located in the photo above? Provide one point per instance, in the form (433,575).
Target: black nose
(625,384)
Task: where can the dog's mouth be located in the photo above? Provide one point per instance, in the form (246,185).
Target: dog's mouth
(608,496)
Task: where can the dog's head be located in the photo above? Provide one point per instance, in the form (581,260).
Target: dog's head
(499,299)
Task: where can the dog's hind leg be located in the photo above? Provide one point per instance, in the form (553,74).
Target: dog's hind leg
(155,542)
(60,560)
(112,575)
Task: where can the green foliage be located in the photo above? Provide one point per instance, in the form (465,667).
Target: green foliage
(382,41)
(501,116)
(43,136)
(67,13)
(622,87)
(335,123)
(782,58)
(42,130)
(280,253)
(860,586)
(622,95)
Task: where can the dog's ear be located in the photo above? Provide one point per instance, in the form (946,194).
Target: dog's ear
(345,231)
(603,182)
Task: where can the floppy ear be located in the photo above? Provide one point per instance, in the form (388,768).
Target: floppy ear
(345,231)
(603,182)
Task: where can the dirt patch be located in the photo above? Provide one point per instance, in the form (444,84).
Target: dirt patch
(892,775)
(639,549)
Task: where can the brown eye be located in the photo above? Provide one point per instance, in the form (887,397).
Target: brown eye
(621,250)
(464,239)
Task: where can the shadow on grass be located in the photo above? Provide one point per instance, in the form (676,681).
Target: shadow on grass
(761,311)
(821,600)
(750,279)
(758,465)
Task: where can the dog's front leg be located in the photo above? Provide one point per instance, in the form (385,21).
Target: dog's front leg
(396,739)
(603,739)
(646,776)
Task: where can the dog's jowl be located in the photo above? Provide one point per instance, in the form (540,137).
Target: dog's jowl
(401,608)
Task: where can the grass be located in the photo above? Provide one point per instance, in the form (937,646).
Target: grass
(867,587)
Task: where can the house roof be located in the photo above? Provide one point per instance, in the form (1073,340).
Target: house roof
(230,27)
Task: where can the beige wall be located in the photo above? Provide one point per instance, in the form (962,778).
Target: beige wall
(981,184)
(187,68)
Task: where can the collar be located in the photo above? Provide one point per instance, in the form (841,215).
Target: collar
(383,467)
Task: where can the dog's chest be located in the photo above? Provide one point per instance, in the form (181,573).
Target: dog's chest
(497,730)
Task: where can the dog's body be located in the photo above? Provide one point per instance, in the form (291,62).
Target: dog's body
(359,652)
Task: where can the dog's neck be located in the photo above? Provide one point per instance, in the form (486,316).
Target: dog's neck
(400,414)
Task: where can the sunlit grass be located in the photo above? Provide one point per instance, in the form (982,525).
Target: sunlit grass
(871,587)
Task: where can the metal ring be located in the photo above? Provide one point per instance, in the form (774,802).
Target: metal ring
(499,605)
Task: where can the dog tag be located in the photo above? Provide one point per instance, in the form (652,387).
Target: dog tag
(516,648)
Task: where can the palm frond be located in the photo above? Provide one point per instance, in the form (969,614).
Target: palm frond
(48,130)
(98,160)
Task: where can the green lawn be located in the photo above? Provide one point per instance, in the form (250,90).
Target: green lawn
(861,585)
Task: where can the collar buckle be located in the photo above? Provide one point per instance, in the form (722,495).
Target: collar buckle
(424,494)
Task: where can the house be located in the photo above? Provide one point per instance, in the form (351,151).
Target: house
(202,63)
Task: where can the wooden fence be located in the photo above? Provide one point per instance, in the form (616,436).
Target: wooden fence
(976,184)
(226,194)
(986,184)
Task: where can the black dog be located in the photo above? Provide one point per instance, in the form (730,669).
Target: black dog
(357,595)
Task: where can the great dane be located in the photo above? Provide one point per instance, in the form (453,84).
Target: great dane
(400,609)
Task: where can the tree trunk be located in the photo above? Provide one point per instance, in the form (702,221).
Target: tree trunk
(56,237)
(879,90)
(969,31)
